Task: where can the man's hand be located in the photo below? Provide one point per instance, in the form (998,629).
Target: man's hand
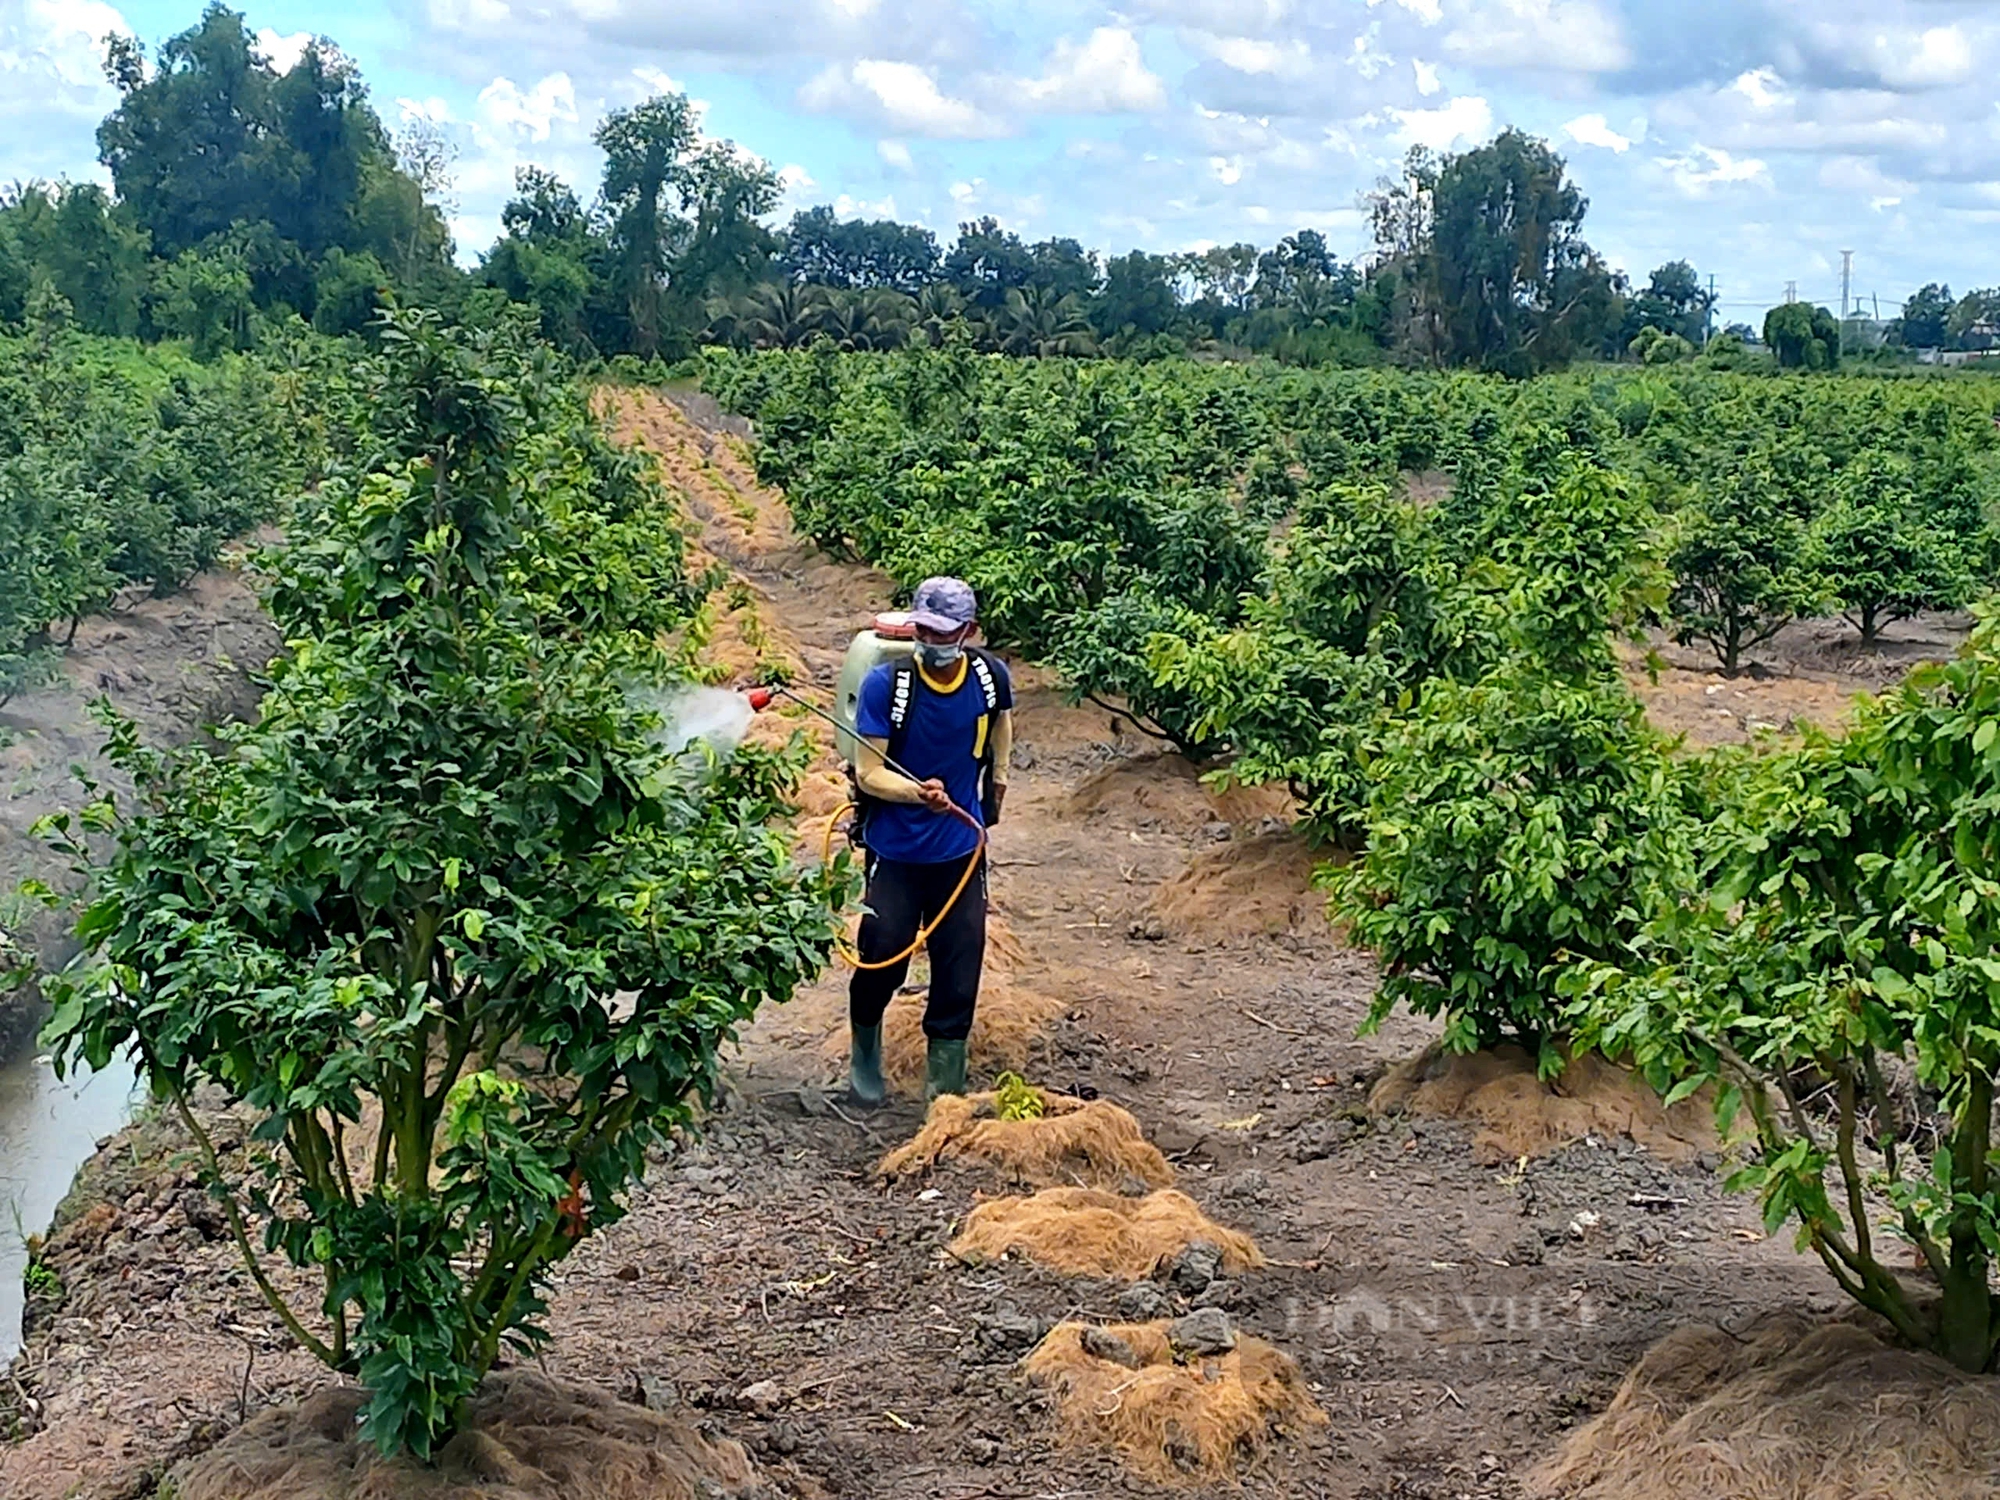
(999,795)
(934,795)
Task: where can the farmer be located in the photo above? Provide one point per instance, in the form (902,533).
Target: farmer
(946,717)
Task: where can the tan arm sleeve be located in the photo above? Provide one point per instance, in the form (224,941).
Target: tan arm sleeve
(877,780)
(1003,746)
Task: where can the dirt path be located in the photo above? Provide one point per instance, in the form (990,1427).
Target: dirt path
(1452,1317)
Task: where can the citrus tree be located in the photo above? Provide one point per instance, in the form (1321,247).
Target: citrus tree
(1880,552)
(1741,566)
(450,917)
(1513,817)
(1846,920)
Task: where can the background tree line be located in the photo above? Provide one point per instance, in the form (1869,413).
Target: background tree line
(243,195)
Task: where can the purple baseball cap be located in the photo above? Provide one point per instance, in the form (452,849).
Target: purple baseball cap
(944,604)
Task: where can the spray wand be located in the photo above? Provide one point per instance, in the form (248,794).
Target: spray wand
(761,698)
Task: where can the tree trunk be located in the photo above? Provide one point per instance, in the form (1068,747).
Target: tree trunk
(1871,624)
(1965,1315)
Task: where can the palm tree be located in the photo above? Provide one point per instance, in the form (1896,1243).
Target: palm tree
(775,315)
(1036,321)
(937,307)
(891,317)
(843,317)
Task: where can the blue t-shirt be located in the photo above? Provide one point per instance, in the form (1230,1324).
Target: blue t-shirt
(941,738)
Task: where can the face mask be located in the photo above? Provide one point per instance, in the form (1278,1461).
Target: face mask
(939,656)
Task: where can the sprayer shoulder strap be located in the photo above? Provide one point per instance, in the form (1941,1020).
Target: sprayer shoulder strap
(903,693)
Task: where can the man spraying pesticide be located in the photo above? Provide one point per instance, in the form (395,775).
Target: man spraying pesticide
(926,726)
(935,731)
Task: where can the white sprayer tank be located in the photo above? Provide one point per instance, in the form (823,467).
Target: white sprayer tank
(891,638)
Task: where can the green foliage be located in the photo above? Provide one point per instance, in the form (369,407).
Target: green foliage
(1803,337)
(1843,924)
(213,147)
(1656,346)
(449,878)
(1513,823)
(207,300)
(119,466)
(1882,555)
(1741,567)
(1514,813)
(1017,1099)
(40,1280)
(1489,265)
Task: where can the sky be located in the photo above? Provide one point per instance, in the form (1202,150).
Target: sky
(1756,138)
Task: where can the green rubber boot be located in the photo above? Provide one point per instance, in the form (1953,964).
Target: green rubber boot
(944,1069)
(864,1065)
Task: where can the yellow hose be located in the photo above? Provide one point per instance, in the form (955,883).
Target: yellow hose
(852,958)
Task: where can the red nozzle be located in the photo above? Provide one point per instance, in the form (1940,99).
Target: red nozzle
(760,697)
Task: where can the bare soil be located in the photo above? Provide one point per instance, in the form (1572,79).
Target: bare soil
(1452,1319)
(1809,672)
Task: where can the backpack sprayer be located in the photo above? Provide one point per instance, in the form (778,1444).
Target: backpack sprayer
(892,637)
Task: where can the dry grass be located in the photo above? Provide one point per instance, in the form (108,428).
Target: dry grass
(1518,1115)
(1251,887)
(529,1438)
(1791,1411)
(1093,1144)
(1088,1232)
(1167,790)
(1170,1421)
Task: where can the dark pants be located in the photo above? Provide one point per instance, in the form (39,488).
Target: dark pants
(902,897)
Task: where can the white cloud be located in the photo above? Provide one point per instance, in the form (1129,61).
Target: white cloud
(1105,75)
(469,15)
(1591,130)
(1859,177)
(1366,56)
(1228,170)
(896,154)
(57,41)
(1427,76)
(865,208)
(1430,12)
(656,82)
(1467,118)
(903,95)
(1701,168)
(283,52)
(1935,58)
(1763,88)
(533,113)
(1255,55)
(1563,36)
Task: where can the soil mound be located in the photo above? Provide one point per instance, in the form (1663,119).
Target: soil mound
(1165,791)
(1791,1411)
(1254,887)
(1518,1115)
(1087,1232)
(1088,1144)
(1121,1388)
(529,1438)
